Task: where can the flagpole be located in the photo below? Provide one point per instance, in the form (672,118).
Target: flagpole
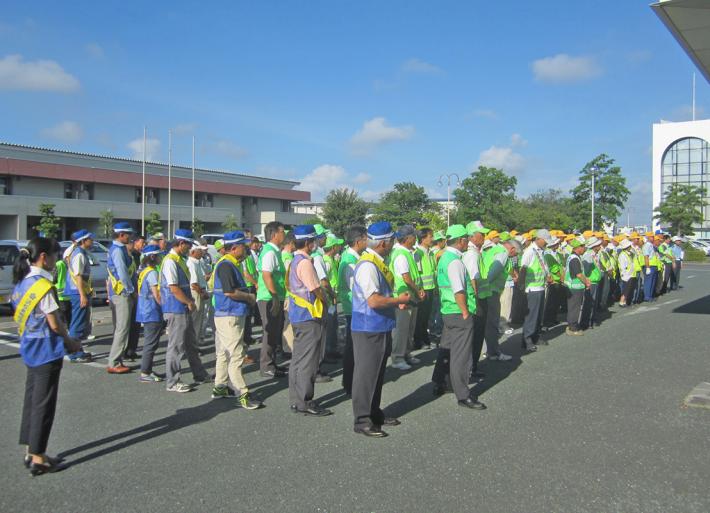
(170,182)
(143,186)
(193,179)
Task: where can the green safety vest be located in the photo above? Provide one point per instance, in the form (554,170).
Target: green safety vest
(400,286)
(448,300)
(332,275)
(663,250)
(286,258)
(278,275)
(593,272)
(61,280)
(428,260)
(639,261)
(345,295)
(489,256)
(553,264)
(535,275)
(572,282)
(249,266)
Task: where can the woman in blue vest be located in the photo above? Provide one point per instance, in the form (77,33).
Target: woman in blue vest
(148,311)
(44,340)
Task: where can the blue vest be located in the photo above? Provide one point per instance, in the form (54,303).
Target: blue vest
(148,309)
(368,319)
(115,252)
(297,314)
(226,306)
(38,344)
(167,299)
(70,287)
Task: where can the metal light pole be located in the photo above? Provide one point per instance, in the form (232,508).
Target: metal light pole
(145,131)
(440,183)
(593,170)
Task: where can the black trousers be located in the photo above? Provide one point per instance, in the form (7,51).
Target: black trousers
(134,332)
(628,289)
(555,297)
(348,357)
(40,404)
(65,308)
(421,332)
(371,351)
(272,337)
(575,298)
(479,329)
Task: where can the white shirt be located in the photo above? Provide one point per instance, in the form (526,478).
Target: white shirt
(197,272)
(470,261)
(319,264)
(269,261)
(626,266)
(456,272)
(47,304)
(400,264)
(169,270)
(367,277)
(79,264)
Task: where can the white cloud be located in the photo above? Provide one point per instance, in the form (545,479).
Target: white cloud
(376,132)
(227,149)
(505,157)
(327,177)
(152,149)
(94,50)
(41,75)
(370,195)
(66,132)
(563,68)
(415,65)
(485,113)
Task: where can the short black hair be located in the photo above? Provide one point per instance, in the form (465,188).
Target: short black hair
(451,242)
(424,232)
(302,243)
(289,238)
(272,229)
(354,234)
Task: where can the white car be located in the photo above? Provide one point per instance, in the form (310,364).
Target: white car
(9,251)
(701,245)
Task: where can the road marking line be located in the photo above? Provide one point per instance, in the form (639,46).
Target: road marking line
(691,276)
(17,346)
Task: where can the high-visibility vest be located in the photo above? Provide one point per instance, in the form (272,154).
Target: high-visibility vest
(428,274)
(448,299)
(535,275)
(573,282)
(399,284)
(278,276)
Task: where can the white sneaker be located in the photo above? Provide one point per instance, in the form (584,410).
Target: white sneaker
(413,360)
(501,357)
(91,337)
(180,388)
(401,366)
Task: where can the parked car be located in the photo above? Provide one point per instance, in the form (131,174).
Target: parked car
(98,256)
(700,245)
(9,250)
(211,238)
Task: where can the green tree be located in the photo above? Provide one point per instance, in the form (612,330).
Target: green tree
(230,223)
(434,220)
(344,208)
(198,227)
(312,220)
(49,224)
(681,208)
(488,195)
(406,203)
(106,223)
(545,209)
(610,192)
(153,224)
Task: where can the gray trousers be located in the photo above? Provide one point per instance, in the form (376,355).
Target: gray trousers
(575,298)
(151,340)
(123,306)
(370,351)
(182,341)
(533,319)
(306,354)
(331,338)
(493,324)
(457,338)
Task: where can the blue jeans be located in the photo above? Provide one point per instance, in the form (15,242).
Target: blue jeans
(649,283)
(79,326)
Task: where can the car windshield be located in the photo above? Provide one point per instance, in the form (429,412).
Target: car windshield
(8,254)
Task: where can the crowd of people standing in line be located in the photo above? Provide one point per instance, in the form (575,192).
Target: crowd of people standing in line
(397,290)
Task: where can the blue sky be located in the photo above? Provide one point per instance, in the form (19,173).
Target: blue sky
(363,94)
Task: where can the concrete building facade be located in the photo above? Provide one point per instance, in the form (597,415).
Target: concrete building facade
(81,186)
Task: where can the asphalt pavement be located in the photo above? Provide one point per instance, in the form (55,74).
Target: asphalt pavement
(586,424)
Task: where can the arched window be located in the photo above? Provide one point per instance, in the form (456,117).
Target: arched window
(687,161)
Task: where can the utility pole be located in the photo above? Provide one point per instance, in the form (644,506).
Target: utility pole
(440,183)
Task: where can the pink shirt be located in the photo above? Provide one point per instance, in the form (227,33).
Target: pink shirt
(306,272)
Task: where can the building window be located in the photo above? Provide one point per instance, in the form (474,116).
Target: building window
(285,206)
(78,190)
(255,202)
(152,195)
(5,186)
(203,199)
(686,161)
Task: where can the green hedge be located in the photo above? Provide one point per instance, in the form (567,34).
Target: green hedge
(692,254)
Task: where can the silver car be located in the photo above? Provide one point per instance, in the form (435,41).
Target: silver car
(9,250)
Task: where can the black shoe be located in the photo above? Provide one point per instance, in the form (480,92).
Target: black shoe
(543,342)
(391,421)
(531,349)
(48,467)
(277,373)
(27,460)
(439,389)
(472,403)
(323,378)
(478,375)
(372,432)
(315,411)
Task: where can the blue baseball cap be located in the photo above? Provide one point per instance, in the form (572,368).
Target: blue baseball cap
(123,227)
(81,235)
(304,232)
(380,231)
(235,237)
(151,249)
(184,234)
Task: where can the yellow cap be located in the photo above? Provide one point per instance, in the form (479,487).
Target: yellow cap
(492,234)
